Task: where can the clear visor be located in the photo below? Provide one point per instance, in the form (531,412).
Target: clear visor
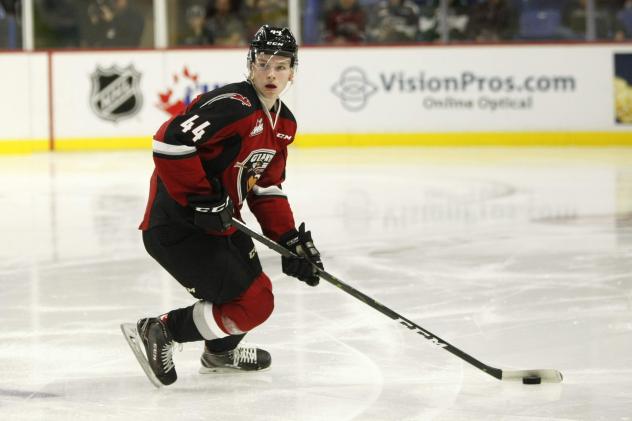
(268,57)
(276,61)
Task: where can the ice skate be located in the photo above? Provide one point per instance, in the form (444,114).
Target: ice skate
(242,358)
(157,358)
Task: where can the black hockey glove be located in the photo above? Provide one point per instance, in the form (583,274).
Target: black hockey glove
(213,212)
(302,267)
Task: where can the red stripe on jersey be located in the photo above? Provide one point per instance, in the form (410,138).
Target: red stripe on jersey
(183,177)
(273,214)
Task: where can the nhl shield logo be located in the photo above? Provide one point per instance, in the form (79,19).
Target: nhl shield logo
(115,92)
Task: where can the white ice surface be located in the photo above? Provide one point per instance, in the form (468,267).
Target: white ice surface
(521,258)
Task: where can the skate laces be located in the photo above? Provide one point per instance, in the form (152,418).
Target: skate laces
(245,354)
(166,355)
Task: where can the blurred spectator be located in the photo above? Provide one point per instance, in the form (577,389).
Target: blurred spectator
(623,24)
(56,24)
(394,21)
(541,20)
(225,25)
(574,21)
(10,25)
(458,19)
(490,20)
(112,23)
(428,20)
(196,32)
(311,21)
(261,12)
(4,27)
(345,23)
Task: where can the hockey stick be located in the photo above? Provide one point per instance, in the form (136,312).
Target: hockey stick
(547,375)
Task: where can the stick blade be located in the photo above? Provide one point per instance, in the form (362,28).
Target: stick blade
(547,375)
(135,343)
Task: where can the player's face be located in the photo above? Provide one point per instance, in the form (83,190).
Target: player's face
(270,74)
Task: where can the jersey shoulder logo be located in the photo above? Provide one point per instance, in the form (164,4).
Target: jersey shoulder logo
(239,97)
(258,128)
(283,136)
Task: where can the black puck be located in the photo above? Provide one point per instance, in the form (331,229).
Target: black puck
(531,380)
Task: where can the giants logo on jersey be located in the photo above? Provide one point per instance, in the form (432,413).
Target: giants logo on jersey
(250,170)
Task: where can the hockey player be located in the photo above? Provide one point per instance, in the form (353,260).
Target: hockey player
(227,148)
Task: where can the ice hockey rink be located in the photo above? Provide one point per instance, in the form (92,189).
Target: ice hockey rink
(520,257)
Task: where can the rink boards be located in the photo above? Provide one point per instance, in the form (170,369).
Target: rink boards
(545,95)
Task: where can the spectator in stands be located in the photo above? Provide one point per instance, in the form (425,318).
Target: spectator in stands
(394,21)
(428,20)
(4,28)
(490,21)
(112,23)
(225,25)
(345,23)
(10,24)
(264,12)
(196,32)
(623,24)
(8,30)
(542,20)
(458,19)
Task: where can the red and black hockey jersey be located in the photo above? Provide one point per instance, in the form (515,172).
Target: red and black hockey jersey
(225,134)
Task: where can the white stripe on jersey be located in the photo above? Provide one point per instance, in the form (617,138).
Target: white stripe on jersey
(217,98)
(173,150)
(268,191)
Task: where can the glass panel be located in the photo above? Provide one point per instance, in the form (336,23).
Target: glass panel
(93,23)
(222,22)
(10,25)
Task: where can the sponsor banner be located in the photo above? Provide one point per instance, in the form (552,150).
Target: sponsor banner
(118,99)
(460,89)
(24,103)
(129,94)
(101,95)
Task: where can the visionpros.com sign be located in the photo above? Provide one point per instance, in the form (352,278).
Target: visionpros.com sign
(422,89)
(354,88)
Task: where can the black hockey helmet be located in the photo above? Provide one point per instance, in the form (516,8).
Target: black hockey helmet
(276,41)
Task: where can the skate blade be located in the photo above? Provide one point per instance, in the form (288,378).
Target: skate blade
(135,343)
(228,370)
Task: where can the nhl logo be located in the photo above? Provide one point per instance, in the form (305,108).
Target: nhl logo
(115,92)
